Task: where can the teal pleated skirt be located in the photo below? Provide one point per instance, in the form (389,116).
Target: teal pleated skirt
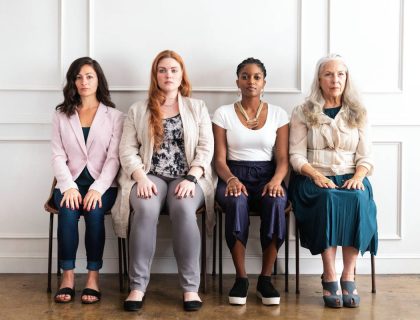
(334,217)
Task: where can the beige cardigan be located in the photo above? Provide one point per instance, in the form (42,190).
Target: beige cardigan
(136,150)
(332,148)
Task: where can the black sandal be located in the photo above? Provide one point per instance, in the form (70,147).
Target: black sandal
(64,291)
(91,292)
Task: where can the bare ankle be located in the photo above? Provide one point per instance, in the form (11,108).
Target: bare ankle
(329,277)
(347,276)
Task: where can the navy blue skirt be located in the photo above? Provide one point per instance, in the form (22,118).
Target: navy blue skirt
(334,217)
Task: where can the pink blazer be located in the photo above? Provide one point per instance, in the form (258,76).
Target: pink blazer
(70,153)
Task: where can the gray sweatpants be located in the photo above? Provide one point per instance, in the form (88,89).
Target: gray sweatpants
(185,233)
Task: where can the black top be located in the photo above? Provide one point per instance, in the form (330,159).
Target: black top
(85,179)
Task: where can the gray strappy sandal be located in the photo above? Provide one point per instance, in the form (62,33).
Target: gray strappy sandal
(334,300)
(350,300)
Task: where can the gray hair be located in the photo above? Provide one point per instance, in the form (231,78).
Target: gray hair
(355,112)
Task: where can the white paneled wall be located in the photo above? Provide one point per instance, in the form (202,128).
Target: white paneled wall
(40,39)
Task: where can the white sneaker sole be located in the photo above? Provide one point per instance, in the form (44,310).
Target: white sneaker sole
(237,300)
(268,301)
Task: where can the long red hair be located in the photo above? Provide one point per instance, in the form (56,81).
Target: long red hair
(157,96)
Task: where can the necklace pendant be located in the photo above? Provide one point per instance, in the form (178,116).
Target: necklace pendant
(252,123)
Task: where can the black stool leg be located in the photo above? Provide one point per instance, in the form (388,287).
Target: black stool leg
(213,273)
(124,250)
(297,258)
(372,265)
(50,251)
(58,260)
(219,214)
(120,262)
(286,253)
(203,252)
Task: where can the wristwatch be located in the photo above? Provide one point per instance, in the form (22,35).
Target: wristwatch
(191,178)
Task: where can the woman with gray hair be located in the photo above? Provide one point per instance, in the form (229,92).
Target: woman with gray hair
(330,151)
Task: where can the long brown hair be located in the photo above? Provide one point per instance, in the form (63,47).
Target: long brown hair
(157,96)
(72,97)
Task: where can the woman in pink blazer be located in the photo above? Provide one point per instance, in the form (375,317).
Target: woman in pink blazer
(85,137)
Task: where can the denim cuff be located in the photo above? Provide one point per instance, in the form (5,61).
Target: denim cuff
(94,265)
(67,264)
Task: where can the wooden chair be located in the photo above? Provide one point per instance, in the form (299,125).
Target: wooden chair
(123,257)
(372,264)
(50,207)
(219,213)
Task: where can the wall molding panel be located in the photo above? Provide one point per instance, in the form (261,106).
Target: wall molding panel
(357,8)
(297,89)
(59,56)
(395,153)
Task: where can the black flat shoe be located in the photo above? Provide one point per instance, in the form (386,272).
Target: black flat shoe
(239,291)
(193,305)
(91,292)
(64,291)
(266,291)
(133,305)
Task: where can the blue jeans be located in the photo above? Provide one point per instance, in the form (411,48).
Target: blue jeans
(68,231)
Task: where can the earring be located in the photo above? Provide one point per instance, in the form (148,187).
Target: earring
(238,93)
(262,93)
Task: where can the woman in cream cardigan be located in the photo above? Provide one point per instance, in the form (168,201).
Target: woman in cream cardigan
(332,198)
(165,152)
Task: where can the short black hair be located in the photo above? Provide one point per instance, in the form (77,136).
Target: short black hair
(251,61)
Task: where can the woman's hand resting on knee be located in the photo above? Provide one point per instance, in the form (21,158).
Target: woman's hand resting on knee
(274,189)
(72,198)
(91,199)
(184,189)
(235,188)
(146,188)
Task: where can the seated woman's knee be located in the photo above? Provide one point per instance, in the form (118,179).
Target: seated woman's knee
(274,201)
(181,209)
(232,200)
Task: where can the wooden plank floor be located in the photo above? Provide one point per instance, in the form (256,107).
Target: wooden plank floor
(23,296)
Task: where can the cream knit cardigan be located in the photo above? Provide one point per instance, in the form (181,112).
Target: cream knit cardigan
(332,148)
(136,150)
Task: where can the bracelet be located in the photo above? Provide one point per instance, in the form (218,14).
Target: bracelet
(230,179)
